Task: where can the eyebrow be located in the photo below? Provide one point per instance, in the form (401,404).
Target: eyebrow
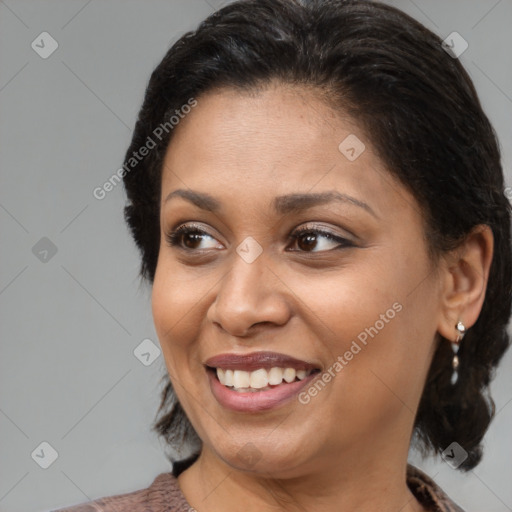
(290,203)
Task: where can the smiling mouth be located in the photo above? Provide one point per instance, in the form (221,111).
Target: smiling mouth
(261,379)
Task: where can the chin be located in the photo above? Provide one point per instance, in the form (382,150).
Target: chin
(265,456)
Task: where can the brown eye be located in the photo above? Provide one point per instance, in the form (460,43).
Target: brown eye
(187,238)
(308,239)
(191,239)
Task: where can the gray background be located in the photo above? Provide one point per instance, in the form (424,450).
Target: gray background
(70,321)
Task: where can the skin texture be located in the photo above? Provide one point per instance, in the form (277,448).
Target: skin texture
(347,448)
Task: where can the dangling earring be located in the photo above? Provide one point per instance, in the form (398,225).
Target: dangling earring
(461,328)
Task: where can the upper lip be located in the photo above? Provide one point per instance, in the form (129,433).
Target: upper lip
(257,360)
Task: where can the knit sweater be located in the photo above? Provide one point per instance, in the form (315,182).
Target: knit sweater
(164,495)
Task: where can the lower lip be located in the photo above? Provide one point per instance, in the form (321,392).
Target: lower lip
(258,400)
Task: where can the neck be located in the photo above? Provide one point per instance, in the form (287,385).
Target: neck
(363,486)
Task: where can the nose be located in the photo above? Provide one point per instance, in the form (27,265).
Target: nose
(248,295)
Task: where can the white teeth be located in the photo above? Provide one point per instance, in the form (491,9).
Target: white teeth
(228,378)
(289,374)
(241,379)
(301,374)
(221,374)
(260,379)
(275,376)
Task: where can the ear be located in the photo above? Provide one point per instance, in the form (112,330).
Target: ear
(465,276)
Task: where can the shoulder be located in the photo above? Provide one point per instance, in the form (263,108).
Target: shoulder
(163,495)
(428,493)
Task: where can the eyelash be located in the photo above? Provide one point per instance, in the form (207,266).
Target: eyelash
(173,237)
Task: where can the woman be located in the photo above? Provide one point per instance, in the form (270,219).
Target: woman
(319,203)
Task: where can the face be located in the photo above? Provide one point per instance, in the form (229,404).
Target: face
(303,277)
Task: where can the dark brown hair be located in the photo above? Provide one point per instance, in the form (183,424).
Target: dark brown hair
(418,107)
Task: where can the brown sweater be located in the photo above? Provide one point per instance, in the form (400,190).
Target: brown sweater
(164,495)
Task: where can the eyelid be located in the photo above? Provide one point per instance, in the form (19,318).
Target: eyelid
(296,233)
(342,241)
(192,226)
(187,227)
(312,226)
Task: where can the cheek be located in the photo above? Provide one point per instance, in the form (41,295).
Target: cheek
(173,301)
(384,304)
(344,305)
(385,338)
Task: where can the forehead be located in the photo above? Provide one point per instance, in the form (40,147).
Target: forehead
(246,146)
(230,123)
